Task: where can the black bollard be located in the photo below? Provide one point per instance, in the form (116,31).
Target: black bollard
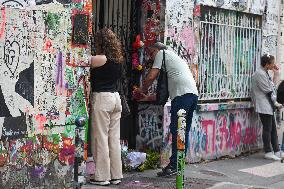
(79,150)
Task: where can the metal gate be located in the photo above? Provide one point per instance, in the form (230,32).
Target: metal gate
(230,48)
(119,15)
(123,17)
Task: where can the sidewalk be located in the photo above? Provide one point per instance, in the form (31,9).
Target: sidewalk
(244,172)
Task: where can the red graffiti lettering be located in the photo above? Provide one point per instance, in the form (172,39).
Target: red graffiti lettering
(205,124)
(224,133)
(250,136)
(3,23)
(235,135)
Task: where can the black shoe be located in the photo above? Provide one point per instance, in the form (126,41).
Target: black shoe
(167,171)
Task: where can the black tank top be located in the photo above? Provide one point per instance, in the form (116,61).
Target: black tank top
(104,78)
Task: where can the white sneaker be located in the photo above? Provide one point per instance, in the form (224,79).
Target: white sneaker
(115,181)
(279,154)
(100,183)
(271,156)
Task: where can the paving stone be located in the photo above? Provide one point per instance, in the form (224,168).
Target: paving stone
(157,183)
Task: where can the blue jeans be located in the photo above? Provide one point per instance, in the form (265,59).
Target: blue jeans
(188,102)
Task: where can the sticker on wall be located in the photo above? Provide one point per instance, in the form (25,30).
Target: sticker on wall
(80,34)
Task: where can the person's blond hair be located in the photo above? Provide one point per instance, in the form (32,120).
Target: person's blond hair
(107,43)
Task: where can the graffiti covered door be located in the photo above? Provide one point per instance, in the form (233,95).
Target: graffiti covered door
(122,17)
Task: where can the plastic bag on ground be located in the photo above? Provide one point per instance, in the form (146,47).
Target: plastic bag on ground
(134,159)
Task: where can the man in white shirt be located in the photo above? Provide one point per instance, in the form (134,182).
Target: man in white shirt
(182,90)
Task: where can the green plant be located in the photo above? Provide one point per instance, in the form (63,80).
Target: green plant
(152,160)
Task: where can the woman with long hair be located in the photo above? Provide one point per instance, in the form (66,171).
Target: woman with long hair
(106,108)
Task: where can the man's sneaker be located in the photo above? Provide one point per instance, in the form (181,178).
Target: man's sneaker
(115,181)
(167,171)
(271,156)
(279,154)
(100,183)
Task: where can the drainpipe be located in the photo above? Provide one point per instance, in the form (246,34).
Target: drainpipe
(79,152)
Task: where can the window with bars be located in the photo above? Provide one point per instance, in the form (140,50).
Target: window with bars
(230,49)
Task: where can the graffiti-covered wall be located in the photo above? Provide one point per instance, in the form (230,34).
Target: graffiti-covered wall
(179,32)
(43,88)
(281,41)
(233,41)
(150,121)
(217,130)
(269,10)
(149,117)
(222,41)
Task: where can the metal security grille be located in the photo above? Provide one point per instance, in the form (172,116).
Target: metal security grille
(230,47)
(120,16)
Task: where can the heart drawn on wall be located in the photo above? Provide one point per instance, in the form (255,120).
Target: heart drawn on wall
(12,56)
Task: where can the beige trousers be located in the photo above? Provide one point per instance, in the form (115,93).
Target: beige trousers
(105,135)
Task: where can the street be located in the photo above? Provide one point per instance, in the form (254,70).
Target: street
(249,171)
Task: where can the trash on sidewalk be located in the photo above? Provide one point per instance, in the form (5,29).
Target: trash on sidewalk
(134,159)
(131,160)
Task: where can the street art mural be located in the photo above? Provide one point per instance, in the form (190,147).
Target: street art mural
(217,132)
(37,161)
(150,122)
(179,29)
(17,71)
(254,6)
(269,10)
(270,27)
(43,89)
(153,13)
(150,116)
(44,85)
(280,46)
(17,3)
(191,29)
(190,33)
